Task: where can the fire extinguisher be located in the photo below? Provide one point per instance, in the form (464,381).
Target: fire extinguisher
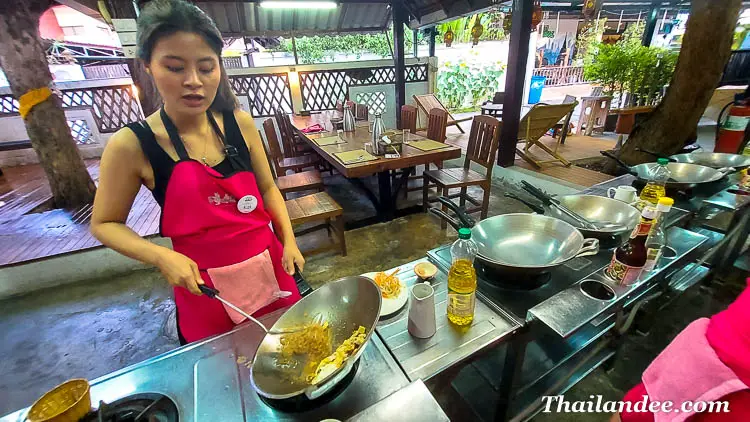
(731,132)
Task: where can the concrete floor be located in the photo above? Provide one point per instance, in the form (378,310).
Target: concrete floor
(93,328)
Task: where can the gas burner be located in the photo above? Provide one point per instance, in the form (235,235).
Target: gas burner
(147,407)
(301,403)
(503,280)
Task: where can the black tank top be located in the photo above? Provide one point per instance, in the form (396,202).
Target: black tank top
(237,155)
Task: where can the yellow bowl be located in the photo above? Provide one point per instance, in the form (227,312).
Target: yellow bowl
(68,402)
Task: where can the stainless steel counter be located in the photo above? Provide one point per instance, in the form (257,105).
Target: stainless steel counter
(571,309)
(425,358)
(207,384)
(411,404)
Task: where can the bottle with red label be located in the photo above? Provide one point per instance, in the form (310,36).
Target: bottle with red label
(629,259)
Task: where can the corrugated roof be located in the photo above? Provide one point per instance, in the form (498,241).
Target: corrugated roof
(237,18)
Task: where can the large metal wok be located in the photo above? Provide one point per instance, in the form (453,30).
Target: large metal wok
(525,244)
(597,209)
(715,160)
(345,304)
(684,175)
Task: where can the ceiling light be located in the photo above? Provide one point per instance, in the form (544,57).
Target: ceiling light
(296,4)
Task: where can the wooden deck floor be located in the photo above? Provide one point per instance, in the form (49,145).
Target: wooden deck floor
(575,148)
(28,236)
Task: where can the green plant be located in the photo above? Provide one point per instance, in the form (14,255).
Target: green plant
(491,21)
(588,40)
(472,82)
(320,48)
(627,66)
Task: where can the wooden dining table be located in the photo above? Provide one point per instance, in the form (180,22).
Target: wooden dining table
(410,157)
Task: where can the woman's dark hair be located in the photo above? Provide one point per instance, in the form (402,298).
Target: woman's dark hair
(161,18)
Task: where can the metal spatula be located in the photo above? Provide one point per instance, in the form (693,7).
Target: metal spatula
(214,294)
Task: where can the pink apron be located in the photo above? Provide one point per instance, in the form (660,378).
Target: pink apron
(221,222)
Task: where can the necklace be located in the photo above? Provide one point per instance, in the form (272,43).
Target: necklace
(205,147)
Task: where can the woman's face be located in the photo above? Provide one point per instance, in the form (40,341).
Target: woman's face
(186,72)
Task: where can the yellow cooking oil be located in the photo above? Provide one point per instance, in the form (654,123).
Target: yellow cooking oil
(462,288)
(462,280)
(652,192)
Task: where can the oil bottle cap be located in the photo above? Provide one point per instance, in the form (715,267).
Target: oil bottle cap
(665,204)
(662,161)
(464,233)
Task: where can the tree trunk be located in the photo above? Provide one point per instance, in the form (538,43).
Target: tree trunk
(24,62)
(705,50)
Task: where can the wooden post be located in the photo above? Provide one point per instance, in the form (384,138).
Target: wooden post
(415,39)
(433,34)
(518,53)
(399,18)
(294,49)
(648,33)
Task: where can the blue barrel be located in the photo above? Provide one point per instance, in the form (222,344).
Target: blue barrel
(535,90)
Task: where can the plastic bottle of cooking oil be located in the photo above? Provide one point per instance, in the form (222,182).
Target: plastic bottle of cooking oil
(658,178)
(462,279)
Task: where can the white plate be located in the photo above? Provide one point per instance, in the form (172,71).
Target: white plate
(391,306)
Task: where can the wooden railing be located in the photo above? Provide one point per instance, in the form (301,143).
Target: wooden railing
(112,102)
(561,75)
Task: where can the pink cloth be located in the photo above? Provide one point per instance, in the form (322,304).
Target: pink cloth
(314,129)
(689,370)
(249,285)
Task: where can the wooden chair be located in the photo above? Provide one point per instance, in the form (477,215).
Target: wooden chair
(318,208)
(535,124)
(436,126)
(409,118)
(427,102)
(293,145)
(310,180)
(280,163)
(482,148)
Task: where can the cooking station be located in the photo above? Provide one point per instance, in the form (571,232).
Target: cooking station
(522,344)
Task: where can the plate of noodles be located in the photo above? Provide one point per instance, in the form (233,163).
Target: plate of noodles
(394,292)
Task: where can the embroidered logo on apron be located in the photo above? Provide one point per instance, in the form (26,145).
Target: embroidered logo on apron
(247,204)
(217,199)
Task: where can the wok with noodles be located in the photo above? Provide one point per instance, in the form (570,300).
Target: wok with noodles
(312,361)
(389,284)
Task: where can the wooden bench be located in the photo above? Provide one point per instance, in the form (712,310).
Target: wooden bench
(318,207)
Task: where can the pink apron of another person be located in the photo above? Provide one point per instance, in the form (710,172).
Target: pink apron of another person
(708,361)
(215,216)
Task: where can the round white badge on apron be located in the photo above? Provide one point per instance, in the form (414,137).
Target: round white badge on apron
(247,204)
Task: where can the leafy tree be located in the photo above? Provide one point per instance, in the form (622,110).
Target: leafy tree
(461,27)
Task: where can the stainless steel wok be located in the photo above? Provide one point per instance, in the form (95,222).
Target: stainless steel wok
(684,175)
(716,160)
(345,304)
(597,209)
(522,243)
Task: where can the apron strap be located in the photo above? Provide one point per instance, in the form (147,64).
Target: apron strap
(174,136)
(230,150)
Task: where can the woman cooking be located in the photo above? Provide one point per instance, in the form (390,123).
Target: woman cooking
(203,160)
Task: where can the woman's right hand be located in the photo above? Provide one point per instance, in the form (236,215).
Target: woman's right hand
(180,270)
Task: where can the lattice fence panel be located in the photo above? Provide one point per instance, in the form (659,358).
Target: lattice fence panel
(115,107)
(8,104)
(416,73)
(81,132)
(77,98)
(321,89)
(375,101)
(266,92)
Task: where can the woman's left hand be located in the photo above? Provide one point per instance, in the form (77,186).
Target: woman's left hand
(292,256)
